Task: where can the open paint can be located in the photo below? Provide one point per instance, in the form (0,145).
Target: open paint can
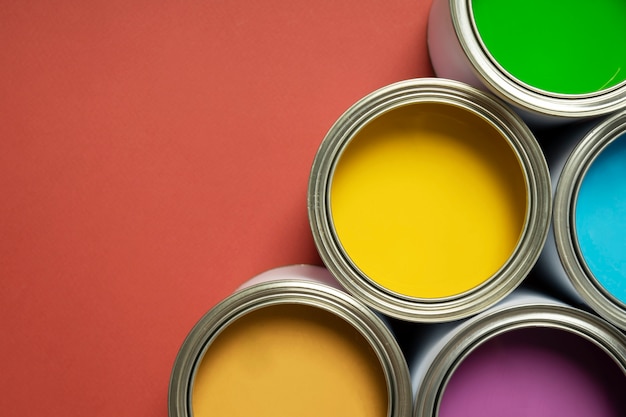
(530,355)
(290,343)
(585,256)
(429,200)
(554,61)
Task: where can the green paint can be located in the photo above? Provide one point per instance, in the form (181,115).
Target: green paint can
(554,60)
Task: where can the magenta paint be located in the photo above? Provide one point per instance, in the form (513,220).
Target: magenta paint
(538,372)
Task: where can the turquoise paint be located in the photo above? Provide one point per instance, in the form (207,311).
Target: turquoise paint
(600,218)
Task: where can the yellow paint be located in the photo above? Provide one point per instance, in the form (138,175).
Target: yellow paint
(428,200)
(289,360)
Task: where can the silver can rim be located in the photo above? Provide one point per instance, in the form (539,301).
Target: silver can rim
(299,292)
(546,315)
(523,95)
(512,129)
(564,216)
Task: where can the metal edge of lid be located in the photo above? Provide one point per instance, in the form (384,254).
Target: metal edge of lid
(300,292)
(563,218)
(484,327)
(532,161)
(526,97)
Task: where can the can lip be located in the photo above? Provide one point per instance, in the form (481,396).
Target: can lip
(523,95)
(300,292)
(478,330)
(565,196)
(523,143)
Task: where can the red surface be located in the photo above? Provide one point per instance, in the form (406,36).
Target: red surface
(154,156)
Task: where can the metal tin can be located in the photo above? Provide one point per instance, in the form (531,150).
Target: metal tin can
(584,258)
(443,350)
(446,190)
(524,52)
(310,292)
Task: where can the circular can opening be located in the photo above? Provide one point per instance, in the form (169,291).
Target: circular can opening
(543,372)
(570,47)
(428,200)
(289,359)
(600,218)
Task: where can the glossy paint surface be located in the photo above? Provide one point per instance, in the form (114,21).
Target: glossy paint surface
(600,218)
(428,200)
(535,372)
(289,360)
(560,46)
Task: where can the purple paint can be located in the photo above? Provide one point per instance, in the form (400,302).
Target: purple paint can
(530,355)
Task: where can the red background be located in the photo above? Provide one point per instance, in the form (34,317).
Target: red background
(153,156)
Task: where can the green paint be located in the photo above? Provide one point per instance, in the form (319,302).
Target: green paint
(559,46)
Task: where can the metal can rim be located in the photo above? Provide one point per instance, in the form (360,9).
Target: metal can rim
(512,129)
(367,323)
(579,160)
(547,315)
(523,95)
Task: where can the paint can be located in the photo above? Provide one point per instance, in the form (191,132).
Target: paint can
(554,61)
(585,257)
(288,342)
(529,354)
(429,200)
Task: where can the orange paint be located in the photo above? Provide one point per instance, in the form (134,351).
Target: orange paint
(290,360)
